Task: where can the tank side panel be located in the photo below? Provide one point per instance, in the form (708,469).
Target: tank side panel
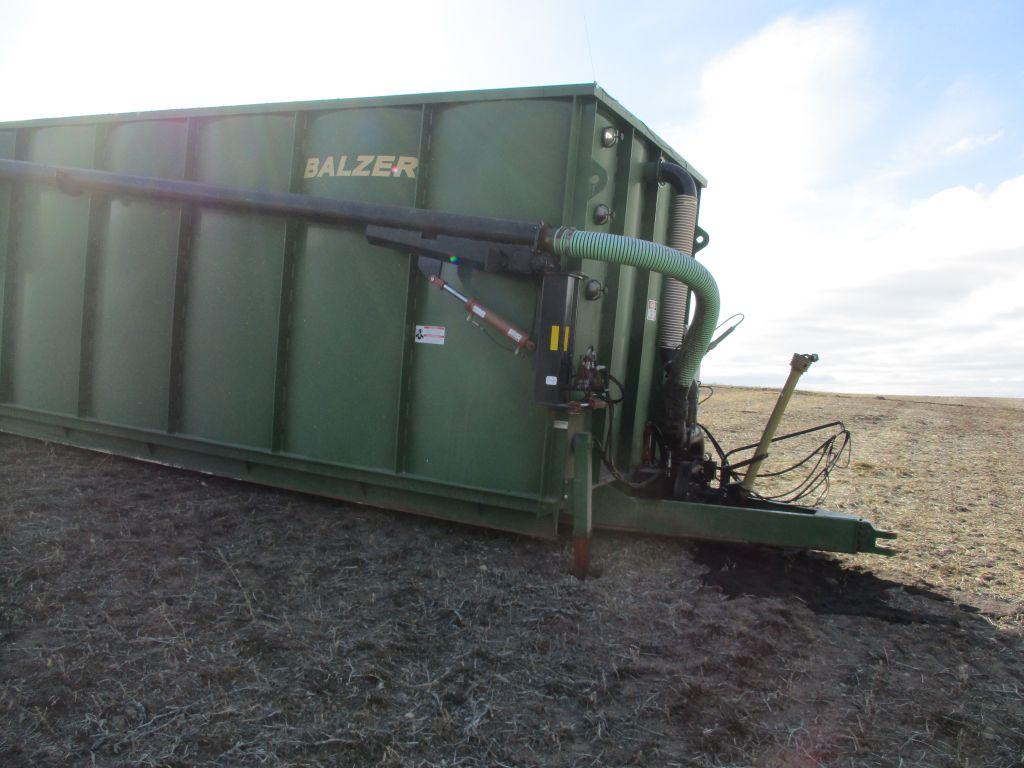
(472,417)
(8,144)
(234,286)
(49,278)
(135,281)
(347,324)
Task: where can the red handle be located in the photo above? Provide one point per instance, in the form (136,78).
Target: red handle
(506,328)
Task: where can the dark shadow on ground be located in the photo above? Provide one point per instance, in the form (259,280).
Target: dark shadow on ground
(822,583)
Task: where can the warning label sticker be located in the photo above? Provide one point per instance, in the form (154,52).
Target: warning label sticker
(429,334)
(652,310)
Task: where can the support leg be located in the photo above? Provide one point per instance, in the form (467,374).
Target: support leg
(582,507)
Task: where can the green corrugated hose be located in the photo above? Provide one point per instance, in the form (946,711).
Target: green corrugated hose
(658,258)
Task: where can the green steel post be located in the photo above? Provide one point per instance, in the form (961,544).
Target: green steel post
(13,206)
(798,365)
(99,214)
(582,503)
(186,225)
(403,417)
(295,233)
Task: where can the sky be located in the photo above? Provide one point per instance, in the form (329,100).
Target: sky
(865,160)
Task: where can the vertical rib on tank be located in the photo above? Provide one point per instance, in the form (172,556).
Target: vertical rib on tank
(675,295)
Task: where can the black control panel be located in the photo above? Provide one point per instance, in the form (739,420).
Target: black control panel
(556,328)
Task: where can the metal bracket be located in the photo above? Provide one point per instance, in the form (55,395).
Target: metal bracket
(490,257)
(701,238)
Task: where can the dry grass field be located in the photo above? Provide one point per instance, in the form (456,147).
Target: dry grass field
(155,617)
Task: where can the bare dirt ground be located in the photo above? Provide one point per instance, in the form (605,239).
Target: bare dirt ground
(150,616)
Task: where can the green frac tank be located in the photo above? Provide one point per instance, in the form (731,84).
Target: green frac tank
(290,351)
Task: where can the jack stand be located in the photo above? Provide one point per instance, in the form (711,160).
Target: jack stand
(582,503)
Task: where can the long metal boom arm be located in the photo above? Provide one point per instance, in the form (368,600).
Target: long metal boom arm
(311,208)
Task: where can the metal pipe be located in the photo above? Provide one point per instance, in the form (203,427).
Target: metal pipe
(680,403)
(320,210)
(675,175)
(798,365)
(675,295)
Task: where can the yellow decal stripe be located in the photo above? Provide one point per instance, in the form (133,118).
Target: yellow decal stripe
(565,340)
(554,337)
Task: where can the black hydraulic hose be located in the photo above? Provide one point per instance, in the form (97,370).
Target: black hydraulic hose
(322,210)
(677,177)
(682,227)
(680,401)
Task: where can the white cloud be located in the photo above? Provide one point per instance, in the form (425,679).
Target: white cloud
(65,57)
(823,252)
(124,55)
(958,123)
(972,142)
(783,102)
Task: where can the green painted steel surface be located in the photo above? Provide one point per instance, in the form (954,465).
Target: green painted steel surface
(233,297)
(471,414)
(134,282)
(47,279)
(581,91)
(283,353)
(801,528)
(8,149)
(582,486)
(478,508)
(293,344)
(347,312)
